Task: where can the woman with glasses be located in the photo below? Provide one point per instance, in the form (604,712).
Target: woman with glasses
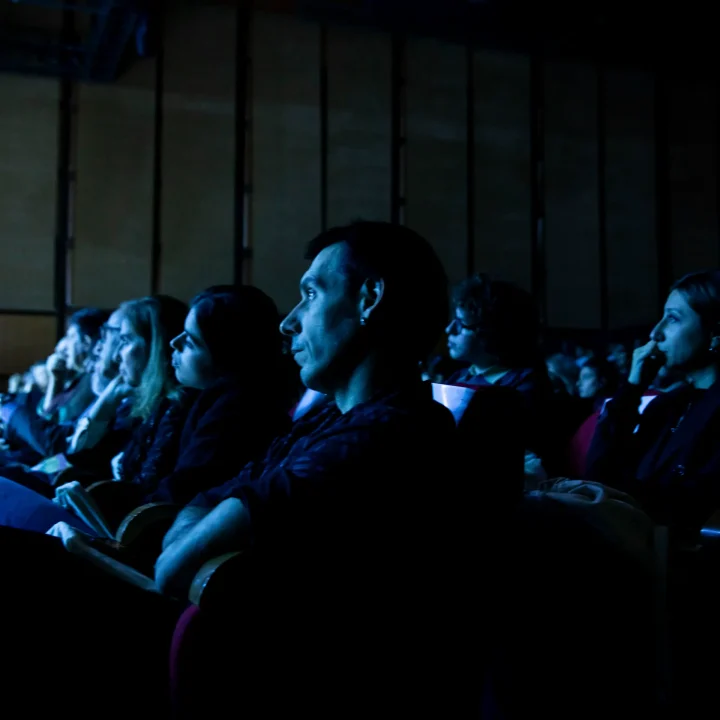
(495,331)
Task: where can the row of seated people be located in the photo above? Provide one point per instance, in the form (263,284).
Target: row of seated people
(387,561)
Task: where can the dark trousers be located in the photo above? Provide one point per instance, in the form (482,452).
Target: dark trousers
(75,641)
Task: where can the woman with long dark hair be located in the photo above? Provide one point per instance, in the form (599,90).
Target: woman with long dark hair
(206,412)
(668,457)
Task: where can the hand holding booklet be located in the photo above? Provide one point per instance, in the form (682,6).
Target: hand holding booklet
(81,544)
(73,496)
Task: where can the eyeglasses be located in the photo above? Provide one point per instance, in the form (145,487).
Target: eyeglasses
(456,326)
(107,331)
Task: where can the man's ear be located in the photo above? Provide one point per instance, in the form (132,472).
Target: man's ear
(371,293)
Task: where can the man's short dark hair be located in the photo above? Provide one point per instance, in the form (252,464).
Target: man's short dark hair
(506,313)
(89,322)
(415,307)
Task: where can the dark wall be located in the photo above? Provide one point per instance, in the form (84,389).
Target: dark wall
(592,185)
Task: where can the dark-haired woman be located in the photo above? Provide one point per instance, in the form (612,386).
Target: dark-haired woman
(495,330)
(192,440)
(668,457)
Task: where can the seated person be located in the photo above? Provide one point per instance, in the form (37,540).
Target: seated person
(34,433)
(198,440)
(598,380)
(101,431)
(668,456)
(343,514)
(496,331)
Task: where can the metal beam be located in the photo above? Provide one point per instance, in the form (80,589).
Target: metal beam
(537,185)
(242,64)
(156,244)
(601,128)
(663,210)
(324,113)
(470,157)
(64,185)
(397,122)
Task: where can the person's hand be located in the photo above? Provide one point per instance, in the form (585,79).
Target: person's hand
(646,362)
(56,365)
(116,391)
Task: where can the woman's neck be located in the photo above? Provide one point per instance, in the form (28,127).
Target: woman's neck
(704,378)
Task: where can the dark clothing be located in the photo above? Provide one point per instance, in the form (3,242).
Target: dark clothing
(523,380)
(356,555)
(80,644)
(566,598)
(364,499)
(189,445)
(542,417)
(154,447)
(336,470)
(46,435)
(26,508)
(671,464)
(229,425)
(94,461)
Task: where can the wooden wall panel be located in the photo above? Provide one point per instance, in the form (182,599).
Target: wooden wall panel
(502,167)
(198,192)
(286,153)
(571,200)
(28,172)
(25,340)
(111,258)
(359,106)
(436,155)
(632,260)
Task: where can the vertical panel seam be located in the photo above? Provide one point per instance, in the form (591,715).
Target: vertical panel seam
(242,22)
(156,240)
(663,210)
(324,120)
(537,184)
(470,156)
(601,99)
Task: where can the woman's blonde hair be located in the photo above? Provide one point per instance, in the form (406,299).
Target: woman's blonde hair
(157,320)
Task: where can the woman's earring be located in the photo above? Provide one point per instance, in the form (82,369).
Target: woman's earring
(363,320)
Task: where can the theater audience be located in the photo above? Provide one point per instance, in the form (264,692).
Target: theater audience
(350,519)
(101,431)
(32,431)
(192,442)
(563,372)
(141,343)
(342,514)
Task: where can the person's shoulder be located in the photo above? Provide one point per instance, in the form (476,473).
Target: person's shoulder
(409,409)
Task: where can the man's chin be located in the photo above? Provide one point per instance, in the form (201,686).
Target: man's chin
(313,380)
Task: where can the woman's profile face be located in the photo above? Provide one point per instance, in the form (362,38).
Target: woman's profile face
(191,357)
(133,354)
(680,336)
(468,341)
(589,383)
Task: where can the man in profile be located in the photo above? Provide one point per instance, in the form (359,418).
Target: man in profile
(351,518)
